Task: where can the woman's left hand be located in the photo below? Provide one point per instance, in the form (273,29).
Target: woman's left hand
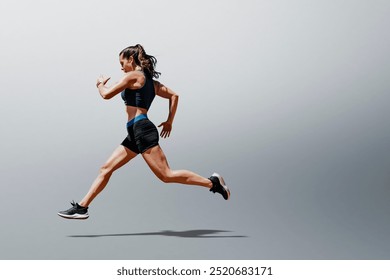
(166,130)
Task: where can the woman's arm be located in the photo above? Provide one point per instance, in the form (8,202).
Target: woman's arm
(167,93)
(109,92)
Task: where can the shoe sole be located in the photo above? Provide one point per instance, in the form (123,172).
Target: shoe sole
(74,217)
(223,184)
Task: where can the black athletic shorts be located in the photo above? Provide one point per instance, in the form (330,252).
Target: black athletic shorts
(142,135)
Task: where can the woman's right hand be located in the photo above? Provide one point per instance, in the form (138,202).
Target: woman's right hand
(102,80)
(166,130)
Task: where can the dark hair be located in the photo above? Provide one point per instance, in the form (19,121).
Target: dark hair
(142,59)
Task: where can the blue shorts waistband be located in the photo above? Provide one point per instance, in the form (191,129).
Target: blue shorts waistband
(136,119)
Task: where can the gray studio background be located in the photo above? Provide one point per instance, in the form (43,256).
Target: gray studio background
(288,100)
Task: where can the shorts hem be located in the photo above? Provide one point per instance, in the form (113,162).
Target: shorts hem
(149,147)
(136,152)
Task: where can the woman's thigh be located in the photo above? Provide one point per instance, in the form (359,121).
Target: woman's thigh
(118,158)
(156,160)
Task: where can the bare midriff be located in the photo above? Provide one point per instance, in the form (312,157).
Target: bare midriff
(132,112)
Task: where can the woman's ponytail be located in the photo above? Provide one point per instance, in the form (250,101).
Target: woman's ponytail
(141,54)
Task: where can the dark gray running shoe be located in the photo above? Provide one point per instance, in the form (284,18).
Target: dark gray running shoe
(75,212)
(219,186)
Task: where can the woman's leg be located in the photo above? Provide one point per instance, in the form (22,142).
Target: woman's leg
(157,162)
(119,157)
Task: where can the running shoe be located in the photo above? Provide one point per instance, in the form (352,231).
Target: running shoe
(75,212)
(219,186)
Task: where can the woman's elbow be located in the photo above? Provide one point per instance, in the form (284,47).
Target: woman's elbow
(106,96)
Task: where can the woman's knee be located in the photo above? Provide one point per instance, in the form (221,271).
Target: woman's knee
(106,170)
(166,177)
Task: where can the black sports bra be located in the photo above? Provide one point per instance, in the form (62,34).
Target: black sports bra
(142,97)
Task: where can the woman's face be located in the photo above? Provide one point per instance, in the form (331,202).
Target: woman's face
(126,63)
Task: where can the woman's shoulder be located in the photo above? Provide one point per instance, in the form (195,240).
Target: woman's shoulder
(134,79)
(135,76)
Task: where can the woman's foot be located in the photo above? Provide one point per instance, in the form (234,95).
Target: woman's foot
(219,186)
(75,212)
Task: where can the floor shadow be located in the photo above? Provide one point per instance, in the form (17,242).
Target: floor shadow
(200,233)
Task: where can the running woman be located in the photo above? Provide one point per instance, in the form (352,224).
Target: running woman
(138,89)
